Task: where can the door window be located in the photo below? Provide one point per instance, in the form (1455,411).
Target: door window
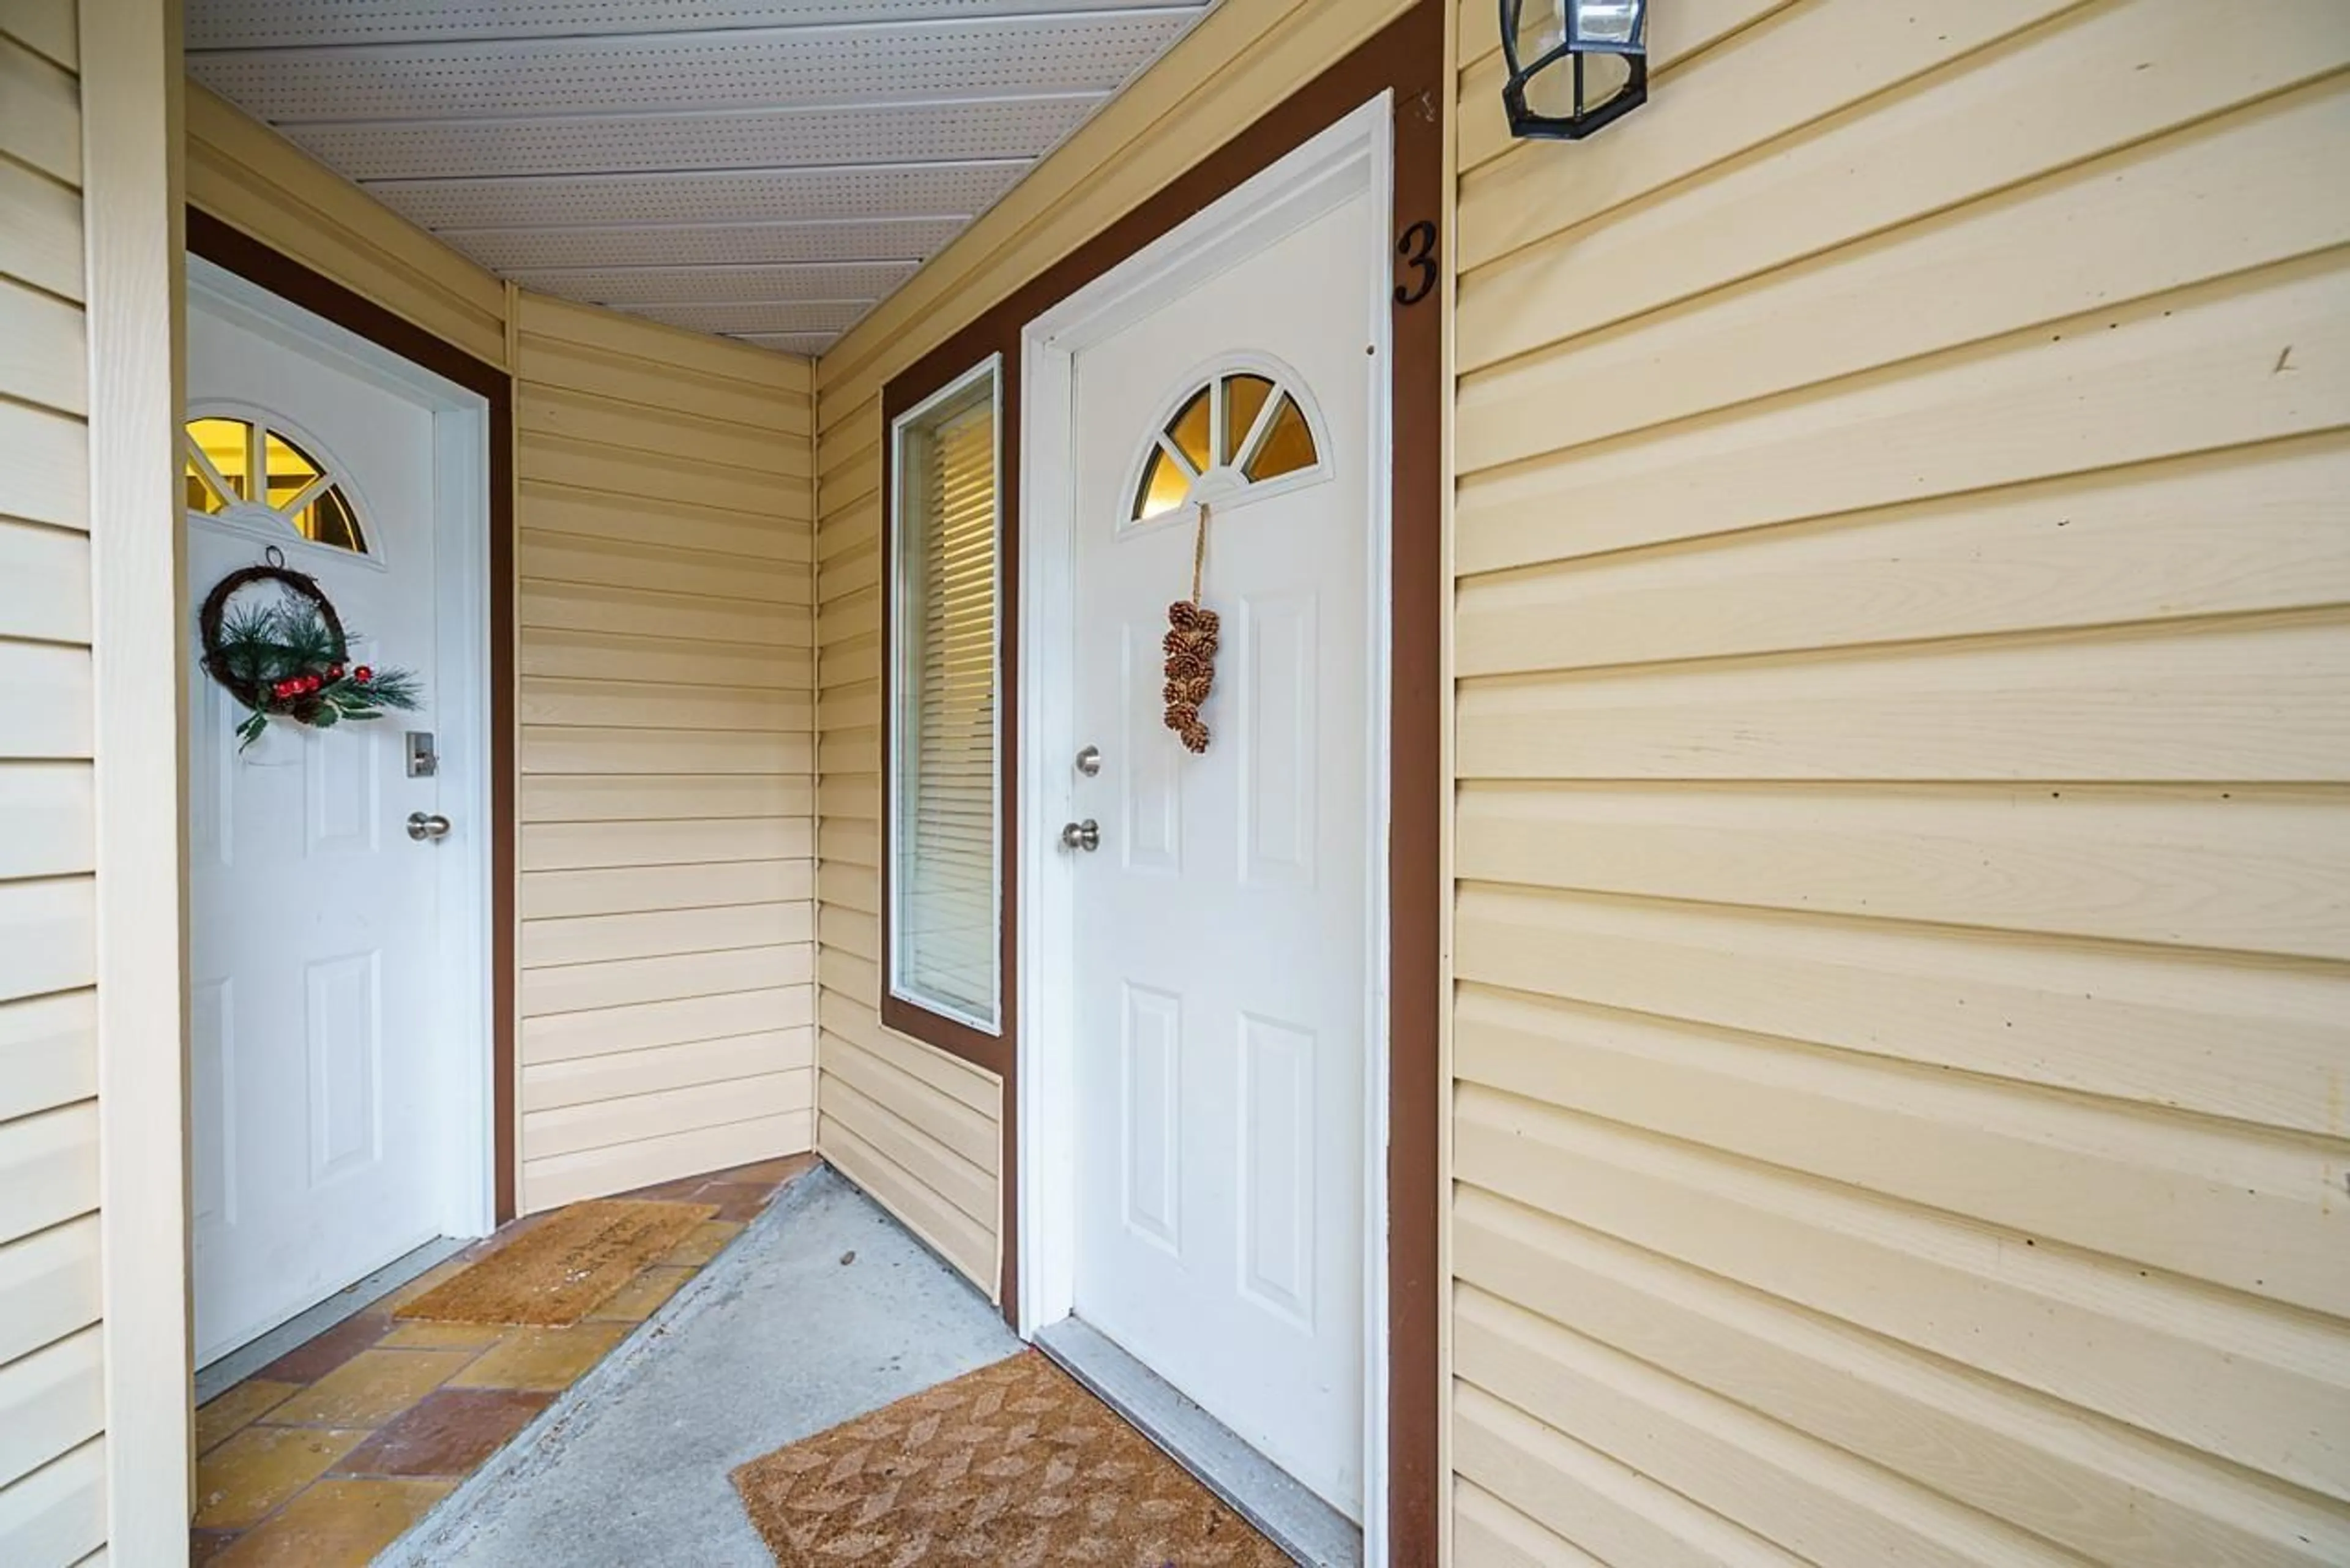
(242,469)
(1236,430)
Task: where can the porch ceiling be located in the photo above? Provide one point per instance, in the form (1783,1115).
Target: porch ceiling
(765,169)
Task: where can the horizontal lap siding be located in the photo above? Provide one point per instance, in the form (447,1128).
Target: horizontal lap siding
(1902,622)
(248,176)
(52,1449)
(667,835)
(916,1128)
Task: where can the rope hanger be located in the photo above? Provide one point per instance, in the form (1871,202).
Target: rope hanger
(1191,644)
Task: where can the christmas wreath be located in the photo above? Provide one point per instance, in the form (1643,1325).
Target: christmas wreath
(288,655)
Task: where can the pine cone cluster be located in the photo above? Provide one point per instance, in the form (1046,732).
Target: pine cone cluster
(1190,670)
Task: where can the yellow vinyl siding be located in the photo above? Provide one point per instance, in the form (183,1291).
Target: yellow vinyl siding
(52,1395)
(920,1129)
(246,175)
(666,823)
(1904,795)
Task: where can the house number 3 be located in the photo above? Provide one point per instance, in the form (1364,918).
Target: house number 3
(1418,248)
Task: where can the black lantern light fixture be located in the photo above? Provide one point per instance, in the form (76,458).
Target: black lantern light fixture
(1574,65)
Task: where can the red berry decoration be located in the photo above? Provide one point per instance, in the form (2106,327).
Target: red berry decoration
(287,656)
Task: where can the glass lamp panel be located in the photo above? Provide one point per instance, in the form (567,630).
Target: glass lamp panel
(1610,26)
(1244,399)
(1537,28)
(1552,91)
(1164,486)
(1189,431)
(228,444)
(1287,446)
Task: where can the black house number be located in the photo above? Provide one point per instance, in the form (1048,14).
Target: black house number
(1418,248)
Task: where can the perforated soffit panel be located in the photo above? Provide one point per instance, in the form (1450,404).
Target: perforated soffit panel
(765,170)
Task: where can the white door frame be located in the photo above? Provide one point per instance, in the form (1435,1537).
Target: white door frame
(466,1204)
(1353,157)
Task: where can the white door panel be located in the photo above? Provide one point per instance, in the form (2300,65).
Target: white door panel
(314,916)
(1223,927)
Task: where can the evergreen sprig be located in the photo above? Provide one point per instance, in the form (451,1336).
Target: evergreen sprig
(288,658)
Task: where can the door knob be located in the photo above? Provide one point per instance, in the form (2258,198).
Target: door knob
(1084,835)
(423,825)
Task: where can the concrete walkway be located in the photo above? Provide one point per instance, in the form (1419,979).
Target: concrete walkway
(779,1339)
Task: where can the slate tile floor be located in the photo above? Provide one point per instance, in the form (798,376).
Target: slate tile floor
(329,1454)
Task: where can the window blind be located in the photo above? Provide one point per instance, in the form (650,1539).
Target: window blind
(945,877)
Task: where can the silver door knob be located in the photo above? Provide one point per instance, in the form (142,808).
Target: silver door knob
(1084,835)
(423,825)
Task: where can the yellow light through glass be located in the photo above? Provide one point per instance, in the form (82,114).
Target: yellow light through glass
(1289,446)
(1244,399)
(228,443)
(1164,486)
(1189,432)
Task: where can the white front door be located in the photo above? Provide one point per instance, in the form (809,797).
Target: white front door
(320,1055)
(1222,928)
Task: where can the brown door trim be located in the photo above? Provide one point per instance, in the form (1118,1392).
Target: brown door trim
(288,279)
(1406,59)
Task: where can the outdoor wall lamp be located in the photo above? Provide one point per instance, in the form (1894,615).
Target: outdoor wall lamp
(1574,65)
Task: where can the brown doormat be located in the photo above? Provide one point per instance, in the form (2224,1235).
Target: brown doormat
(564,1267)
(1010,1466)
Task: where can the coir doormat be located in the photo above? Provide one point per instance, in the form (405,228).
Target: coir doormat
(564,1267)
(1014,1466)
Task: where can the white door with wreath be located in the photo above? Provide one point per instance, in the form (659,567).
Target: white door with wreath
(320,1065)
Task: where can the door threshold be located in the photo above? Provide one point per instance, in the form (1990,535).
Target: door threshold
(231,1368)
(1259,1491)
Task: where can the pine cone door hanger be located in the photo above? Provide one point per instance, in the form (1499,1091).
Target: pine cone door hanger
(1190,643)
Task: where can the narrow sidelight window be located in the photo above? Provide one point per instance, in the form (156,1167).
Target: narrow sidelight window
(945,854)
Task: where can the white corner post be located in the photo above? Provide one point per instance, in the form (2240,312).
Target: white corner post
(133,247)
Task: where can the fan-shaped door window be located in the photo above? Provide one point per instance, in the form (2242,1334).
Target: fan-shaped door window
(1242,429)
(244,469)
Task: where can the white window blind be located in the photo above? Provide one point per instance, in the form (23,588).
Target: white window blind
(945,871)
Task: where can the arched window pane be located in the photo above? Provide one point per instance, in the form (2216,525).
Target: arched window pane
(1189,432)
(289,469)
(329,520)
(1164,486)
(228,445)
(1224,418)
(232,463)
(1244,399)
(1289,446)
(202,496)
